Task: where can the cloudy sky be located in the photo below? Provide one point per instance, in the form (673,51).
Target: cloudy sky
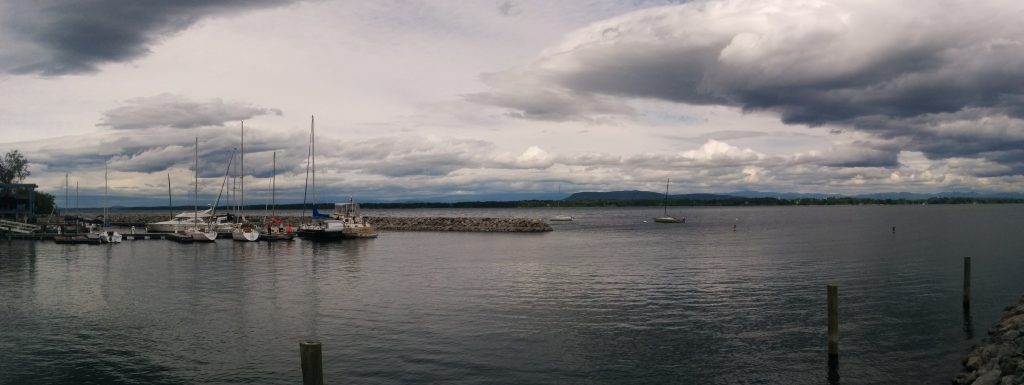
(418,99)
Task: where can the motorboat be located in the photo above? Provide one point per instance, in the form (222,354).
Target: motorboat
(355,225)
(560,218)
(181,222)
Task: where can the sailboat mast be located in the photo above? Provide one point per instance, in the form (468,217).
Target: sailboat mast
(273,186)
(309,151)
(105,171)
(312,149)
(666,196)
(170,204)
(195,197)
(67,201)
(241,175)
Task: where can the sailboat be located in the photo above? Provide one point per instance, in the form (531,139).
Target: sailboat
(560,217)
(321,227)
(199,232)
(244,231)
(280,234)
(665,218)
(106,235)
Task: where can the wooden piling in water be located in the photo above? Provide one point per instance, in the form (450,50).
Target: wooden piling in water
(312,365)
(967,281)
(833,334)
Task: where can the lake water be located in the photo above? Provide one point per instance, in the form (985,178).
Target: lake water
(610,298)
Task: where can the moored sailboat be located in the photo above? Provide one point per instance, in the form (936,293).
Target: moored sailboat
(665,218)
(321,227)
(199,232)
(244,231)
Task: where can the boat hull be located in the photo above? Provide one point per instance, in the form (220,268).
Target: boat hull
(277,237)
(669,220)
(245,236)
(320,235)
(110,237)
(203,236)
(358,231)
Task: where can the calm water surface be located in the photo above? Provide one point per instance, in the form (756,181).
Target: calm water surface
(606,299)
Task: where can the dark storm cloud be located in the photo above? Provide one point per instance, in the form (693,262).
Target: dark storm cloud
(172,111)
(946,79)
(58,37)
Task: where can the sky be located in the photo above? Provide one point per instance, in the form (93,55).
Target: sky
(421,99)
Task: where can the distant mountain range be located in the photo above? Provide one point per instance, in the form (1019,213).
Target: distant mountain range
(648,195)
(631,195)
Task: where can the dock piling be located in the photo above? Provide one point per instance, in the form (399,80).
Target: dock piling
(312,365)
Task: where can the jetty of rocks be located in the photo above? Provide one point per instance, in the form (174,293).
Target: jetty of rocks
(387,223)
(472,224)
(998,359)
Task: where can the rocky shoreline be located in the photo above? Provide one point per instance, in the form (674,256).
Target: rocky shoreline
(998,359)
(458,224)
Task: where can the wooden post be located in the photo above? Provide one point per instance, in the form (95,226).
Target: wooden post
(967,281)
(833,334)
(312,365)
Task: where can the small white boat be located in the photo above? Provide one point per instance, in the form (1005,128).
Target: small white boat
(560,218)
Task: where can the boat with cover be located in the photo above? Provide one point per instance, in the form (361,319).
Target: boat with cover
(665,218)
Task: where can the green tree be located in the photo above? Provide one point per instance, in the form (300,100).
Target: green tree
(13,167)
(44,203)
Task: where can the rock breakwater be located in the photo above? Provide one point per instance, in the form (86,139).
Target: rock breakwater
(998,359)
(469,224)
(463,224)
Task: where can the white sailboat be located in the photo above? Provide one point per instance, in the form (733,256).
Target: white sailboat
(560,217)
(106,235)
(665,218)
(244,231)
(199,232)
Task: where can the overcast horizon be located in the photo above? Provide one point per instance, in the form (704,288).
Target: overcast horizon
(444,98)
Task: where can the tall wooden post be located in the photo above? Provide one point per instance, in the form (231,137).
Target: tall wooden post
(833,334)
(312,365)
